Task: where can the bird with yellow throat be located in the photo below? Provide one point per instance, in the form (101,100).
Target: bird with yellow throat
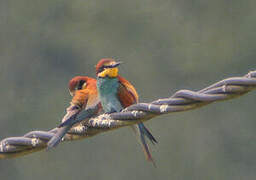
(116,93)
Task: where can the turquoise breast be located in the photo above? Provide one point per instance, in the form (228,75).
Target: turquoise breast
(107,89)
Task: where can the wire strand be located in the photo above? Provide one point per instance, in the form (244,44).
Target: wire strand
(182,100)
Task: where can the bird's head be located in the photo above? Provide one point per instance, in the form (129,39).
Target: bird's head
(107,68)
(78,83)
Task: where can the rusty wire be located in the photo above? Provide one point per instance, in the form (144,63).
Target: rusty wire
(182,100)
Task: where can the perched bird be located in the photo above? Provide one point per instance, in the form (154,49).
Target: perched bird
(116,93)
(85,97)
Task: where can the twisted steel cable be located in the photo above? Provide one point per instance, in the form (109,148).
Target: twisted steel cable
(182,100)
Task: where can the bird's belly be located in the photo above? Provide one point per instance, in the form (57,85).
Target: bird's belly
(111,104)
(107,88)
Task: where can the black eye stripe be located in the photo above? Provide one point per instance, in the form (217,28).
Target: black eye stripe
(80,85)
(101,68)
(109,66)
(106,67)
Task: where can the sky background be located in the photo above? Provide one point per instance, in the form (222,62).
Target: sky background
(166,45)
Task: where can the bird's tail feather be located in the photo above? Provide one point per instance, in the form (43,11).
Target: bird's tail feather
(74,115)
(141,138)
(146,132)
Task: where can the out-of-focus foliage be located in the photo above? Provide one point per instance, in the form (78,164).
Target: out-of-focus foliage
(165,46)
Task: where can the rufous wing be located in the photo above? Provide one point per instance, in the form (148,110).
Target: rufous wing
(126,93)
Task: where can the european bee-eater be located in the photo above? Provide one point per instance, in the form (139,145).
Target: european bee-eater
(116,93)
(85,97)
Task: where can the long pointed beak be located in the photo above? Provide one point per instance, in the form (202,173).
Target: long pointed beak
(116,64)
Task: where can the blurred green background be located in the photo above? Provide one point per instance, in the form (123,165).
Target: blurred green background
(165,46)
